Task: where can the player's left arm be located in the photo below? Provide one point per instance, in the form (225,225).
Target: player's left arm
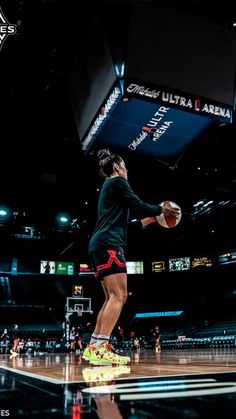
(148,220)
(143,223)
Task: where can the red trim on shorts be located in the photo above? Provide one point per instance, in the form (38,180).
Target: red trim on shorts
(112,258)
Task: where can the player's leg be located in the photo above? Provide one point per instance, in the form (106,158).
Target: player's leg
(100,314)
(117,289)
(116,285)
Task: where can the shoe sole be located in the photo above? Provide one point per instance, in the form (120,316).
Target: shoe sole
(98,362)
(87,358)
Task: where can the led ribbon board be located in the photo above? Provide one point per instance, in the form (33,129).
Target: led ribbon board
(153,121)
(179,100)
(158,314)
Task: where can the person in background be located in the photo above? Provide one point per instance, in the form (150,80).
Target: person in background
(73,334)
(43,340)
(47,268)
(5,340)
(157,335)
(120,336)
(137,343)
(107,248)
(16,340)
(79,344)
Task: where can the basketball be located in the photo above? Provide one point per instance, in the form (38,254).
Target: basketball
(169,221)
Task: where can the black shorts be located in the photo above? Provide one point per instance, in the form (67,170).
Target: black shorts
(106,262)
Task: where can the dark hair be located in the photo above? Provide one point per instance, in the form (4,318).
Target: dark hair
(106,161)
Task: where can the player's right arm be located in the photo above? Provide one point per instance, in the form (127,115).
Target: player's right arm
(125,195)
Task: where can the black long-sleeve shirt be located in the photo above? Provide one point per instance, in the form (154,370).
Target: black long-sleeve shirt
(115,200)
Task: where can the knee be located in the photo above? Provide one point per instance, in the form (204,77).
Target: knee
(125,297)
(120,297)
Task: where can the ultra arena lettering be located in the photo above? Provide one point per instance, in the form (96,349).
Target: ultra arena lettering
(152,124)
(160,131)
(176,100)
(196,105)
(152,128)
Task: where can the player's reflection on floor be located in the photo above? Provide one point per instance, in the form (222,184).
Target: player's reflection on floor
(106,407)
(104,375)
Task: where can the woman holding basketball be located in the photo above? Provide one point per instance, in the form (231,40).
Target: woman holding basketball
(107,250)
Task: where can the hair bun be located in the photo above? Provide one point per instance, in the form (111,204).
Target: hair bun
(103,154)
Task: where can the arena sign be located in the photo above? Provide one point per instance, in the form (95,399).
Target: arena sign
(150,121)
(102,116)
(138,126)
(178,100)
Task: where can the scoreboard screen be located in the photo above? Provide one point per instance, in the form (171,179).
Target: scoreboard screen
(158,266)
(199,262)
(179,264)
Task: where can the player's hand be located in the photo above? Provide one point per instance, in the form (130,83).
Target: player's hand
(169,211)
(148,220)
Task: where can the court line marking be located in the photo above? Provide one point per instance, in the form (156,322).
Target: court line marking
(38,376)
(182,388)
(178,394)
(56,381)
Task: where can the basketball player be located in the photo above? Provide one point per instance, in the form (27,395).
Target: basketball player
(157,335)
(16,340)
(107,250)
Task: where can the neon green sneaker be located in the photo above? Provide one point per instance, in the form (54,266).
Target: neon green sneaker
(87,352)
(103,355)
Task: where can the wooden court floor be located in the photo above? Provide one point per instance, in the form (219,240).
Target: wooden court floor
(174,383)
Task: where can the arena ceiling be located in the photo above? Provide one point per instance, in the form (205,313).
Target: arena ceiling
(44,169)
